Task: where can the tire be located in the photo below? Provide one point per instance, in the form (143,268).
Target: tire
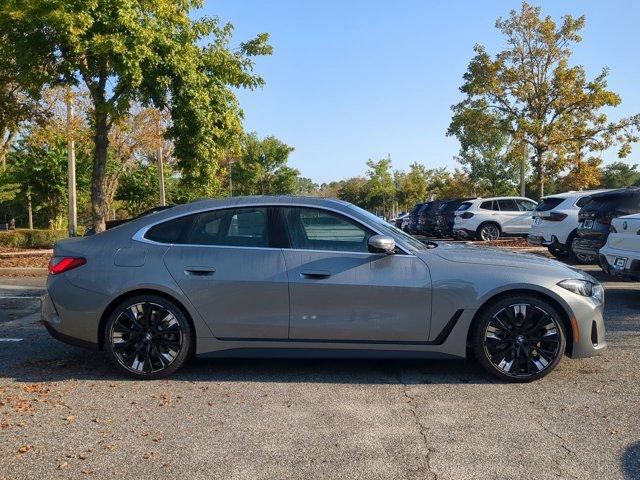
(519,339)
(488,231)
(148,337)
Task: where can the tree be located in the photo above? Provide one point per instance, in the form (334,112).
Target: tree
(306,186)
(487,154)
(583,173)
(380,190)
(133,50)
(620,175)
(351,190)
(539,98)
(457,185)
(262,168)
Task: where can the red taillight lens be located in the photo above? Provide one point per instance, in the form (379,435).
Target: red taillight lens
(556,217)
(63,264)
(466,215)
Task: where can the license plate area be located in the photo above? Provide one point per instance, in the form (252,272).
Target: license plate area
(588,224)
(620,262)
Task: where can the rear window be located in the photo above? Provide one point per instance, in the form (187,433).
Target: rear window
(171,231)
(583,201)
(616,205)
(549,203)
(464,206)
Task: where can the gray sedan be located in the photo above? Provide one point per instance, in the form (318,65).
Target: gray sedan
(289,276)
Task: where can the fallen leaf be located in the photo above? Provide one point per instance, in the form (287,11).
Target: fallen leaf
(25,448)
(63,465)
(71,418)
(87,471)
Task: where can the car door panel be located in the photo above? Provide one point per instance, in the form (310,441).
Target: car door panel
(240,292)
(364,297)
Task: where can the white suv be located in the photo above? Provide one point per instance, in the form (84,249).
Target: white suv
(488,218)
(621,254)
(555,221)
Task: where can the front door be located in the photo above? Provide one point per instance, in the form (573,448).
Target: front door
(228,270)
(339,291)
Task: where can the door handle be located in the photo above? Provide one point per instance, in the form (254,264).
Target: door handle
(199,271)
(315,274)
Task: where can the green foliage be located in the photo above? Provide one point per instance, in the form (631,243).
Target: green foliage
(138,189)
(262,168)
(133,50)
(538,98)
(31,238)
(620,175)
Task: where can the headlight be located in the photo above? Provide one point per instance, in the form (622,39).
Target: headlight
(583,287)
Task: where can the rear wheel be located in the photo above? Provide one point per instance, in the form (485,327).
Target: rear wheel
(488,232)
(148,337)
(519,339)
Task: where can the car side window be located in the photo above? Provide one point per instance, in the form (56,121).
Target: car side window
(316,229)
(508,205)
(241,227)
(526,205)
(583,201)
(489,205)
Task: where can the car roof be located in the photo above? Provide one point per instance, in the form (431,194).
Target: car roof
(618,191)
(577,193)
(503,198)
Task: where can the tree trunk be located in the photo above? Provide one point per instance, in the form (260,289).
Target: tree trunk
(540,170)
(99,203)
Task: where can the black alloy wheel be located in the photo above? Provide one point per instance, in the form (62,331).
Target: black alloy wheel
(148,337)
(520,339)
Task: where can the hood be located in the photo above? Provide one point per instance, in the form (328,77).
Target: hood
(480,255)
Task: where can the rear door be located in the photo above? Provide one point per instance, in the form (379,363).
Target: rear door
(225,265)
(509,216)
(339,291)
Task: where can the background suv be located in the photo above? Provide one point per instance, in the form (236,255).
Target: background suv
(555,221)
(596,216)
(621,254)
(488,218)
(446,215)
(427,218)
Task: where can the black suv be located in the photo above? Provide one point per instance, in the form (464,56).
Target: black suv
(427,218)
(595,220)
(446,215)
(413,218)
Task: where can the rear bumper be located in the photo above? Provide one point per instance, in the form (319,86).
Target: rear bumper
(630,269)
(463,232)
(587,246)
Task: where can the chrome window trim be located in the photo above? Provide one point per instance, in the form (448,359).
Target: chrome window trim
(139,236)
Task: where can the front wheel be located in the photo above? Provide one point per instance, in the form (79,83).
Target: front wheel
(519,339)
(148,337)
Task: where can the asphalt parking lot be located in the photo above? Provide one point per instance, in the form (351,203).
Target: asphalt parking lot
(66,413)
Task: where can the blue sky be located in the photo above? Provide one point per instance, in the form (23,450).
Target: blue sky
(352,80)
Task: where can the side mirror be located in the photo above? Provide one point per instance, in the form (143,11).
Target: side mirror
(382,244)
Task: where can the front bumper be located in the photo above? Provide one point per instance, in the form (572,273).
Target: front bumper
(587,324)
(460,232)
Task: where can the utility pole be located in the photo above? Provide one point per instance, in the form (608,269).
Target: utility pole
(231,162)
(71,167)
(523,168)
(160,169)
(29,209)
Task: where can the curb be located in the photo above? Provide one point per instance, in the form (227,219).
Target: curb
(25,253)
(23,272)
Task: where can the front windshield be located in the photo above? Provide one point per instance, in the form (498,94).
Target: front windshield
(389,229)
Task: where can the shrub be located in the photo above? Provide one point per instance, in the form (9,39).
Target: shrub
(31,238)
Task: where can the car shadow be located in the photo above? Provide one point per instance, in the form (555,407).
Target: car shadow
(58,362)
(630,462)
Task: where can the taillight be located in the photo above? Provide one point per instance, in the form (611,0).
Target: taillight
(63,264)
(466,215)
(556,217)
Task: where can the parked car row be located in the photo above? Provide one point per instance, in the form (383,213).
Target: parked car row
(472,218)
(600,226)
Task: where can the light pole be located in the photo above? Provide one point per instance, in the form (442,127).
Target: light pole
(231,162)
(71,167)
(160,168)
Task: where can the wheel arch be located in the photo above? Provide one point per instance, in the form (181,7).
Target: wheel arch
(137,292)
(564,314)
